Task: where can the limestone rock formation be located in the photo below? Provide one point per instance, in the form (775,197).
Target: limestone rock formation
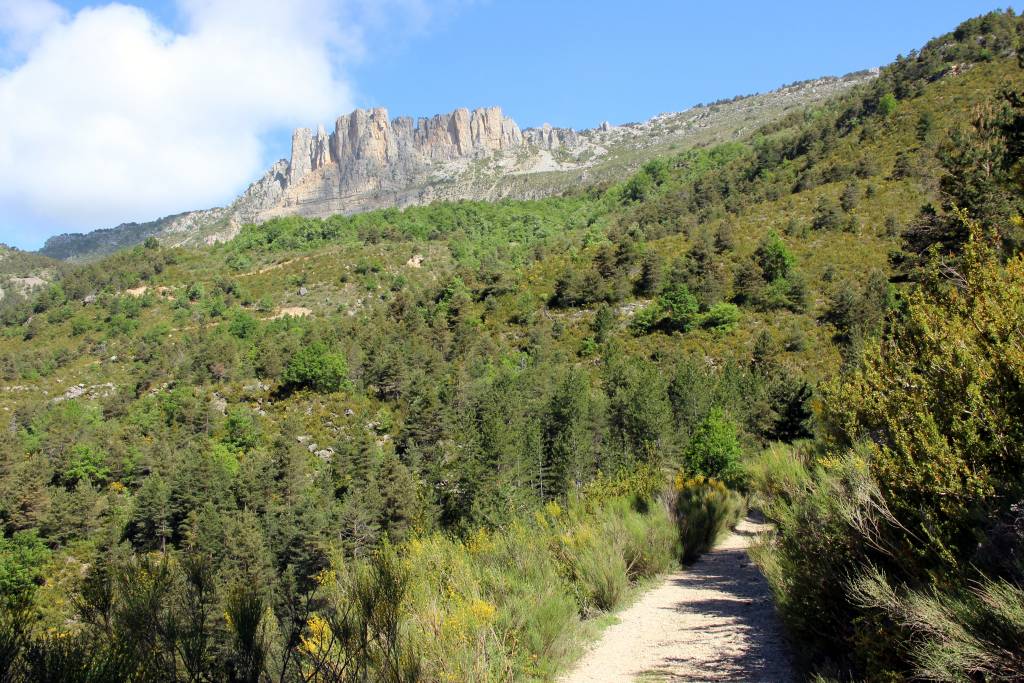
(371,160)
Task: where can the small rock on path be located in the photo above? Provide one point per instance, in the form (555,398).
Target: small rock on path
(714,621)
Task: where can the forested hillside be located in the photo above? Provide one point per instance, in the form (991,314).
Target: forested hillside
(439,443)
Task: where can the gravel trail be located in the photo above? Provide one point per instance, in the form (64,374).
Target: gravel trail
(714,621)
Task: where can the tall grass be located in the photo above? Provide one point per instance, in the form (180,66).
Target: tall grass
(511,603)
(779,473)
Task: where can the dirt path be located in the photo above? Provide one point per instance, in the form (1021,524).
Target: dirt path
(714,621)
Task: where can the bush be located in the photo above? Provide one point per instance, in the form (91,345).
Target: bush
(595,567)
(938,404)
(714,450)
(774,257)
(649,539)
(887,104)
(778,473)
(315,367)
(680,305)
(21,561)
(357,636)
(705,509)
(646,319)
(922,483)
(827,215)
(974,636)
(824,538)
(721,316)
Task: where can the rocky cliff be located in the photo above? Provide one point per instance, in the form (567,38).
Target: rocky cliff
(368,160)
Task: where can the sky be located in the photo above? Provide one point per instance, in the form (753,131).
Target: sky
(129,111)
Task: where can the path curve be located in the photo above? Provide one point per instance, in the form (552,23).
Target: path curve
(714,621)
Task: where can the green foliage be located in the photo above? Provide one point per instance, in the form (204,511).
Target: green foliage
(478,229)
(679,306)
(778,473)
(639,412)
(850,197)
(22,557)
(976,636)
(651,275)
(821,540)
(705,510)
(647,318)
(924,490)
(316,367)
(241,429)
(775,259)
(722,316)
(827,215)
(714,450)
(952,440)
(887,104)
(87,464)
(643,184)
(243,325)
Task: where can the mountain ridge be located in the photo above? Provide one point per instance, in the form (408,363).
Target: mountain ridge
(371,161)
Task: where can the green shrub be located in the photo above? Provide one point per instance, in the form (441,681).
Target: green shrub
(887,104)
(721,316)
(777,473)
(680,305)
(774,257)
(705,509)
(714,450)
(22,557)
(315,367)
(649,539)
(825,537)
(243,325)
(596,568)
(646,319)
(972,636)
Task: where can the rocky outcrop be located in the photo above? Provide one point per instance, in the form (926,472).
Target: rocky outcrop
(371,160)
(367,140)
(550,138)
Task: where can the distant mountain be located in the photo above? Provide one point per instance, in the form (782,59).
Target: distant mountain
(22,272)
(369,161)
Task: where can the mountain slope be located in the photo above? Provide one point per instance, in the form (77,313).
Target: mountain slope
(368,161)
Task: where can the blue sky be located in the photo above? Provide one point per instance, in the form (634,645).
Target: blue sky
(130,113)
(579,63)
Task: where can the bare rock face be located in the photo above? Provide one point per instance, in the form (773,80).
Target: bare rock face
(550,138)
(370,160)
(302,152)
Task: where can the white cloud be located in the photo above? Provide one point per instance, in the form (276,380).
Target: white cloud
(110,116)
(22,22)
